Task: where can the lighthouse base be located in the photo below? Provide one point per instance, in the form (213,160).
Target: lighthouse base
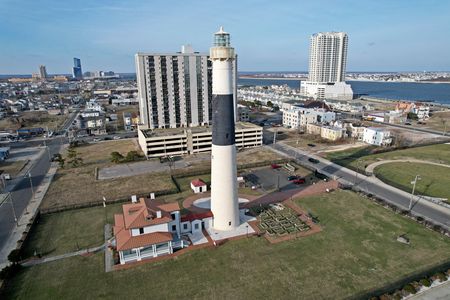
(242,230)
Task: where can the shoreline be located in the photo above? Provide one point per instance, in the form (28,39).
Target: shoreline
(358,80)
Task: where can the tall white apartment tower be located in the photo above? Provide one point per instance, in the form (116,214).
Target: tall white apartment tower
(224,197)
(328,57)
(327,64)
(174,89)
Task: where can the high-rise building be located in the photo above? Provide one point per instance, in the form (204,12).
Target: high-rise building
(77,73)
(327,64)
(328,57)
(42,72)
(224,197)
(175,89)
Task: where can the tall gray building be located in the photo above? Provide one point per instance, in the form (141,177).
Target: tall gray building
(42,72)
(327,63)
(175,89)
(328,57)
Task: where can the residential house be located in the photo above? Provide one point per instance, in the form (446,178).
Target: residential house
(377,136)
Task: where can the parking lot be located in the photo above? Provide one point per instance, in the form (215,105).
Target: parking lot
(269,179)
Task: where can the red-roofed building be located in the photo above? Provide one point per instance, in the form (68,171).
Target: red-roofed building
(147,228)
(150,228)
(198,186)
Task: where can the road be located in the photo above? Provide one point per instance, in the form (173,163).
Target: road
(369,184)
(21,191)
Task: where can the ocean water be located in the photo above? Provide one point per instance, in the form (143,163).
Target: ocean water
(410,91)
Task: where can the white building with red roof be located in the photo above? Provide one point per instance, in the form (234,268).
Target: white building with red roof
(150,228)
(147,229)
(198,186)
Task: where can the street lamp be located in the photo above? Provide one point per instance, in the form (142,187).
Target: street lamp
(13,209)
(31,185)
(413,189)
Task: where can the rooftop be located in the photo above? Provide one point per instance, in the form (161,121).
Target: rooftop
(160,132)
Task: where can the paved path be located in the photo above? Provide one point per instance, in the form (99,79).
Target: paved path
(44,260)
(440,292)
(10,243)
(368,184)
(370,168)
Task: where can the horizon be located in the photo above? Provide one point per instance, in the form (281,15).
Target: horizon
(382,35)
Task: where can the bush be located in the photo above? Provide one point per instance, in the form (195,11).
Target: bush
(9,271)
(14,256)
(409,289)
(441,276)
(425,282)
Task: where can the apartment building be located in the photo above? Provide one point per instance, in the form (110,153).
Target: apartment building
(175,89)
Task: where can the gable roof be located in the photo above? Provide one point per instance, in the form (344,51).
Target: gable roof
(198,182)
(144,213)
(124,240)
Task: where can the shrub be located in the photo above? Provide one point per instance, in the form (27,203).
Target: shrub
(425,282)
(409,289)
(9,271)
(441,276)
(14,256)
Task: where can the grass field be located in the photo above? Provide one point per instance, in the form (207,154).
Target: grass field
(361,157)
(12,167)
(439,121)
(33,119)
(69,230)
(78,185)
(435,179)
(356,251)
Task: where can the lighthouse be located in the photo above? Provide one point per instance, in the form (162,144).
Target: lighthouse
(224,198)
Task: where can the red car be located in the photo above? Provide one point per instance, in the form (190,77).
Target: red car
(299,181)
(275,166)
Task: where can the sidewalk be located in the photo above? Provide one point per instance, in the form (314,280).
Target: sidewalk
(27,216)
(34,262)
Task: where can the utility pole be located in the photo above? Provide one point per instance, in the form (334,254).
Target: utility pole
(13,209)
(413,189)
(46,146)
(275,136)
(31,185)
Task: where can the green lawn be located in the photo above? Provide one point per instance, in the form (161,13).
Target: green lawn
(356,251)
(435,179)
(69,231)
(361,157)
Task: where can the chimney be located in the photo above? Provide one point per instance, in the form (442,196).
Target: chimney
(134,199)
(158,214)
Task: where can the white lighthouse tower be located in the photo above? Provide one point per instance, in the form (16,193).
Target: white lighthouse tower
(224,198)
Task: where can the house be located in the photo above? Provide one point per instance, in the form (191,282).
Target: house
(331,133)
(377,136)
(198,186)
(150,228)
(147,229)
(299,117)
(420,109)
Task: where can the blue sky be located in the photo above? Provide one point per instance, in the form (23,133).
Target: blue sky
(384,35)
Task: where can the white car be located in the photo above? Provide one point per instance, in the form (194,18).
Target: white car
(116,137)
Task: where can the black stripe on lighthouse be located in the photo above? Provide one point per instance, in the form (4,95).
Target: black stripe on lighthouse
(223,120)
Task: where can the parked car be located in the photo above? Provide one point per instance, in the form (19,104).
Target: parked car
(116,137)
(313,160)
(275,166)
(293,177)
(299,181)
(6,176)
(96,140)
(311,145)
